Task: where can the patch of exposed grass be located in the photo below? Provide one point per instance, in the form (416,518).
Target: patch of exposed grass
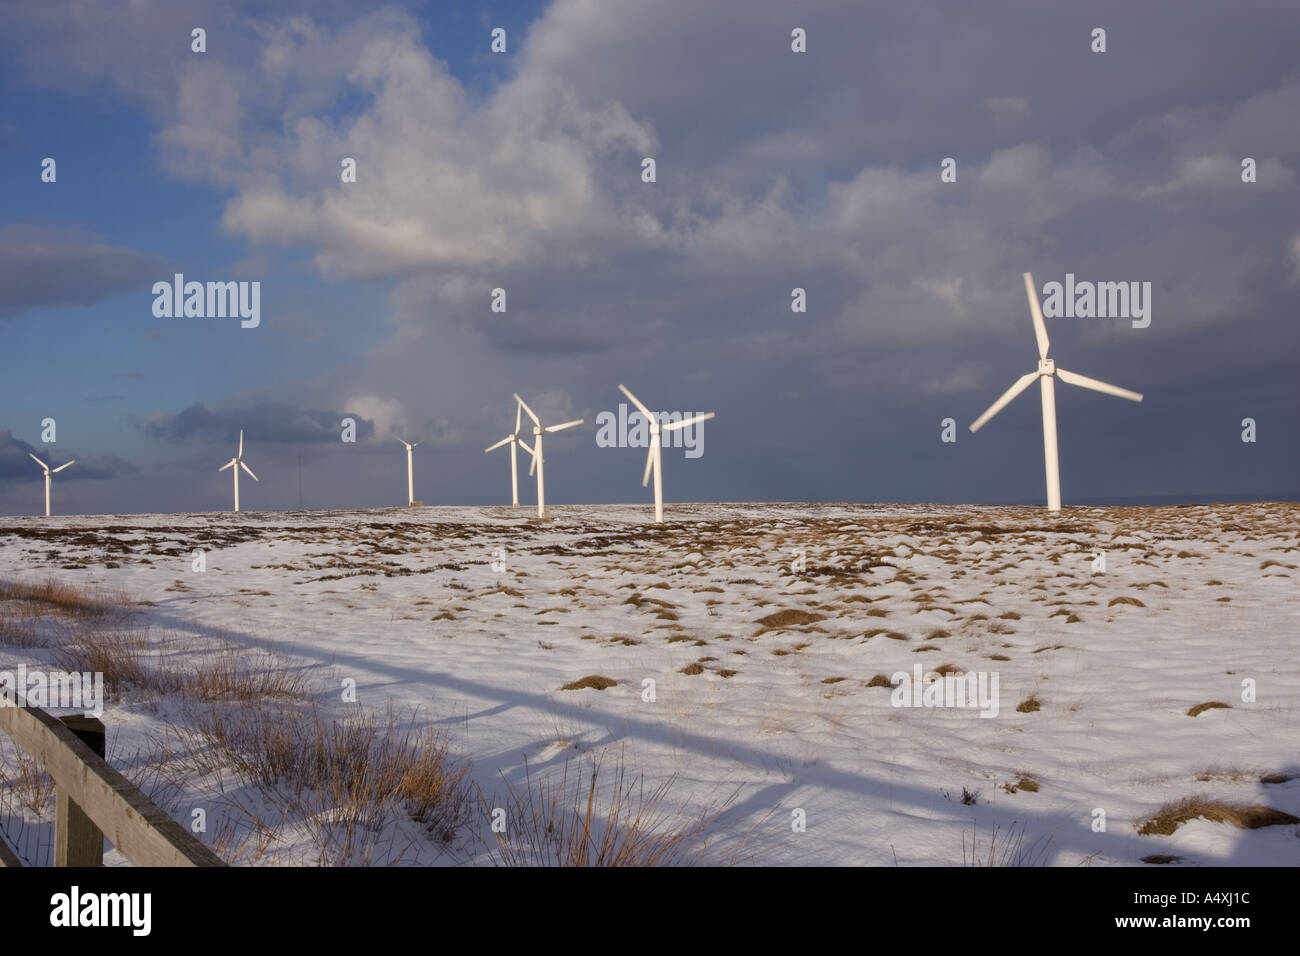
(880,680)
(594,681)
(1174,814)
(788,618)
(1125,599)
(1023,782)
(1208,705)
(1029,704)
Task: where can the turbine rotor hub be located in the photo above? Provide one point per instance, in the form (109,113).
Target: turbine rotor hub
(1046,367)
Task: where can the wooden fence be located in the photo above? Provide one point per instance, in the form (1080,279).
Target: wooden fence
(94,800)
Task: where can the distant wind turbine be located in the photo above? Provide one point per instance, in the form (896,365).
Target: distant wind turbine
(539,462)
(654,460)
(514,441)
(1046,374)
(48,472)
(238,462)
(410,472)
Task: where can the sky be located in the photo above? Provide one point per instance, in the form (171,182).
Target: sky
(522,170)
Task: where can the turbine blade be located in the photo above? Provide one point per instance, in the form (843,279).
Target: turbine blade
(637,402)
(522,404)
(1040,330)
(1021,384)
(498,444)
(65,465)
(524,445)
(250,471)
(532,465)
(241,444)
(228,464)
(38,461)
(1074,378)
(556,428)
(649,462)
(672,426)
(402,440)
(519,416)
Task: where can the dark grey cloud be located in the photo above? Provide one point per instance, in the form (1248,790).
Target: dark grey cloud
(264,421)
(17,465)
(42,267)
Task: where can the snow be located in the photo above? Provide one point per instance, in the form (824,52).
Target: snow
(407,603)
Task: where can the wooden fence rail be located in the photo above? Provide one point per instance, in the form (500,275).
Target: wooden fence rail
(95,801)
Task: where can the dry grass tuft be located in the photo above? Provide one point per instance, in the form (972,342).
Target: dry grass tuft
(244,677)
(1006,848)
(880,680)
(343,778)
(1023,782)
(118,655)
(790,618)
(1125,599)
(1208,705)
(1172,815)
(1278,778)
(567,824)
(1029,704)
(594,681)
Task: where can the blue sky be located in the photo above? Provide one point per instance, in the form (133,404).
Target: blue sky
(776,170)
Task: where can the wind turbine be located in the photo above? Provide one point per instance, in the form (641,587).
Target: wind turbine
(238,462)
(654,459)
(410,473)
(539,463)
(1046,374)
(514,440)
(49,471)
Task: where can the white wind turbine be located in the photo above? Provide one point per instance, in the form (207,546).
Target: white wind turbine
(410,472)
(655,457)
(1046,373)
(49,471)
(238,462)
(513,440)
(539,461)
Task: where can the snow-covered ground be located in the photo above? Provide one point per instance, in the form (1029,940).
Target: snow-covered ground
(479,616)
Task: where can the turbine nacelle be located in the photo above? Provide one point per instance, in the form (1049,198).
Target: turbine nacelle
(1046,367)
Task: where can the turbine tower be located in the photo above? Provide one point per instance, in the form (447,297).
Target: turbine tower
(654,460)
(1046,374)
(410,473)
(238,462)
(49,471)
(514,441)
(539,462)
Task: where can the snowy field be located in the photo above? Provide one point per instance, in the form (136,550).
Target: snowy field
(761,628)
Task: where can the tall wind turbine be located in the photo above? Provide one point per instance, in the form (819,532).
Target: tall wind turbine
(654,459)
(513,440)
(1046,374)
(49,471)
(539,462)
(238,462)
(410,472)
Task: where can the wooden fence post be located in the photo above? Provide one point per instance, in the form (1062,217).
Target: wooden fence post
(77,841)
